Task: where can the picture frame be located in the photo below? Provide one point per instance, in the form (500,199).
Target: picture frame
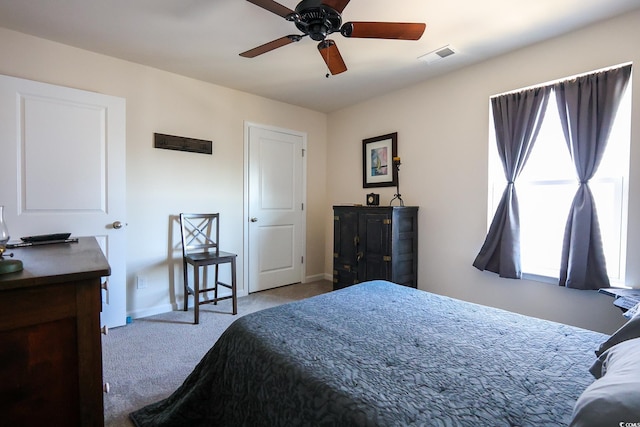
(377,161)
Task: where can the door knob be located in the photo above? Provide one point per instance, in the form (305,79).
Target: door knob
(117,225)
(254,219)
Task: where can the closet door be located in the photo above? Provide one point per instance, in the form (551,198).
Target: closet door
(275,202)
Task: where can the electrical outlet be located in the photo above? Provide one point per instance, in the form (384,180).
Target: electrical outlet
(141,282)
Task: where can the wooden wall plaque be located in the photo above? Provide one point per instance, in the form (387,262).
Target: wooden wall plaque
(180,143)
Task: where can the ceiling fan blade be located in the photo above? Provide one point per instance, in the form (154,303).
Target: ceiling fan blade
(337,5)
(267,47)
(332,57)
(383,30)
(273,6)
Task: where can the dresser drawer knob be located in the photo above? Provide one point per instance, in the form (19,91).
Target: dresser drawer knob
(106,388)
(104,330)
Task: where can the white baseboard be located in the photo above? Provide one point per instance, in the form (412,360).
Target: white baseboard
(159,309)
(315,278)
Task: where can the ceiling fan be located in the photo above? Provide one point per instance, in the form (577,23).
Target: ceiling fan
(320,18)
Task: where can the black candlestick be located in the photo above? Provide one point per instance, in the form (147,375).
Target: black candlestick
(397,196)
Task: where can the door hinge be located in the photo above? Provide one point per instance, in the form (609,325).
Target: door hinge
(303,150)
(386,258)
(301,260)
(302,205)
(386,221)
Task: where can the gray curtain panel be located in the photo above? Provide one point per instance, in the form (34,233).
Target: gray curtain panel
(517,118)
(587,106)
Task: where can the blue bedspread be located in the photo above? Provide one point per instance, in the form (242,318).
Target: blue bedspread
(379,354)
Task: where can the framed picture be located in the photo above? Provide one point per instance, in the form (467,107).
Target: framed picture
(377,161)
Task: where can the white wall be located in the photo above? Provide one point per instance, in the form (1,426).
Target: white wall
(442,130)
(162,183)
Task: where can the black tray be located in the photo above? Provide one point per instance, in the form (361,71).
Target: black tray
(45,237)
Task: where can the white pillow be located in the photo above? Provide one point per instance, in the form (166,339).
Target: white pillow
(614,398)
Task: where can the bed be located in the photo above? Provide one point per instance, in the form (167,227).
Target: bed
(379,354)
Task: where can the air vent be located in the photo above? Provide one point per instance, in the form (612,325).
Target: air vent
(437,54)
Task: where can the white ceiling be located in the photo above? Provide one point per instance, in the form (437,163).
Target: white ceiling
(202,39)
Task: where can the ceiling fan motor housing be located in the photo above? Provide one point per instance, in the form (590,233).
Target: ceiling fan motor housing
(317,19)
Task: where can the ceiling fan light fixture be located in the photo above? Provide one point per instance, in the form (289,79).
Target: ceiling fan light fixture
(318,31)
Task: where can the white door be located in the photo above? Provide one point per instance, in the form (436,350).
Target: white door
(275,207)
(62,169)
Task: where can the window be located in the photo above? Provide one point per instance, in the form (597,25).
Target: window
(546,188)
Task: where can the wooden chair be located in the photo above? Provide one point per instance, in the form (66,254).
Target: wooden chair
(200,233)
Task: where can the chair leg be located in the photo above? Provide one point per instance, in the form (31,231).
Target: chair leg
(196,295)
(215,285)
(185,285)
(233,286)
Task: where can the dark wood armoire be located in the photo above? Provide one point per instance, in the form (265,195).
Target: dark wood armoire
(375,242)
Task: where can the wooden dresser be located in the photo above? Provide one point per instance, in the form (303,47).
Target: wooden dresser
(372,243)
(50,343)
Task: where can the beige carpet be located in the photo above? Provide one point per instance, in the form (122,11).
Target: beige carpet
(146,360)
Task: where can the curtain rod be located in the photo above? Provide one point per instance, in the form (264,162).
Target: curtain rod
(564,79)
